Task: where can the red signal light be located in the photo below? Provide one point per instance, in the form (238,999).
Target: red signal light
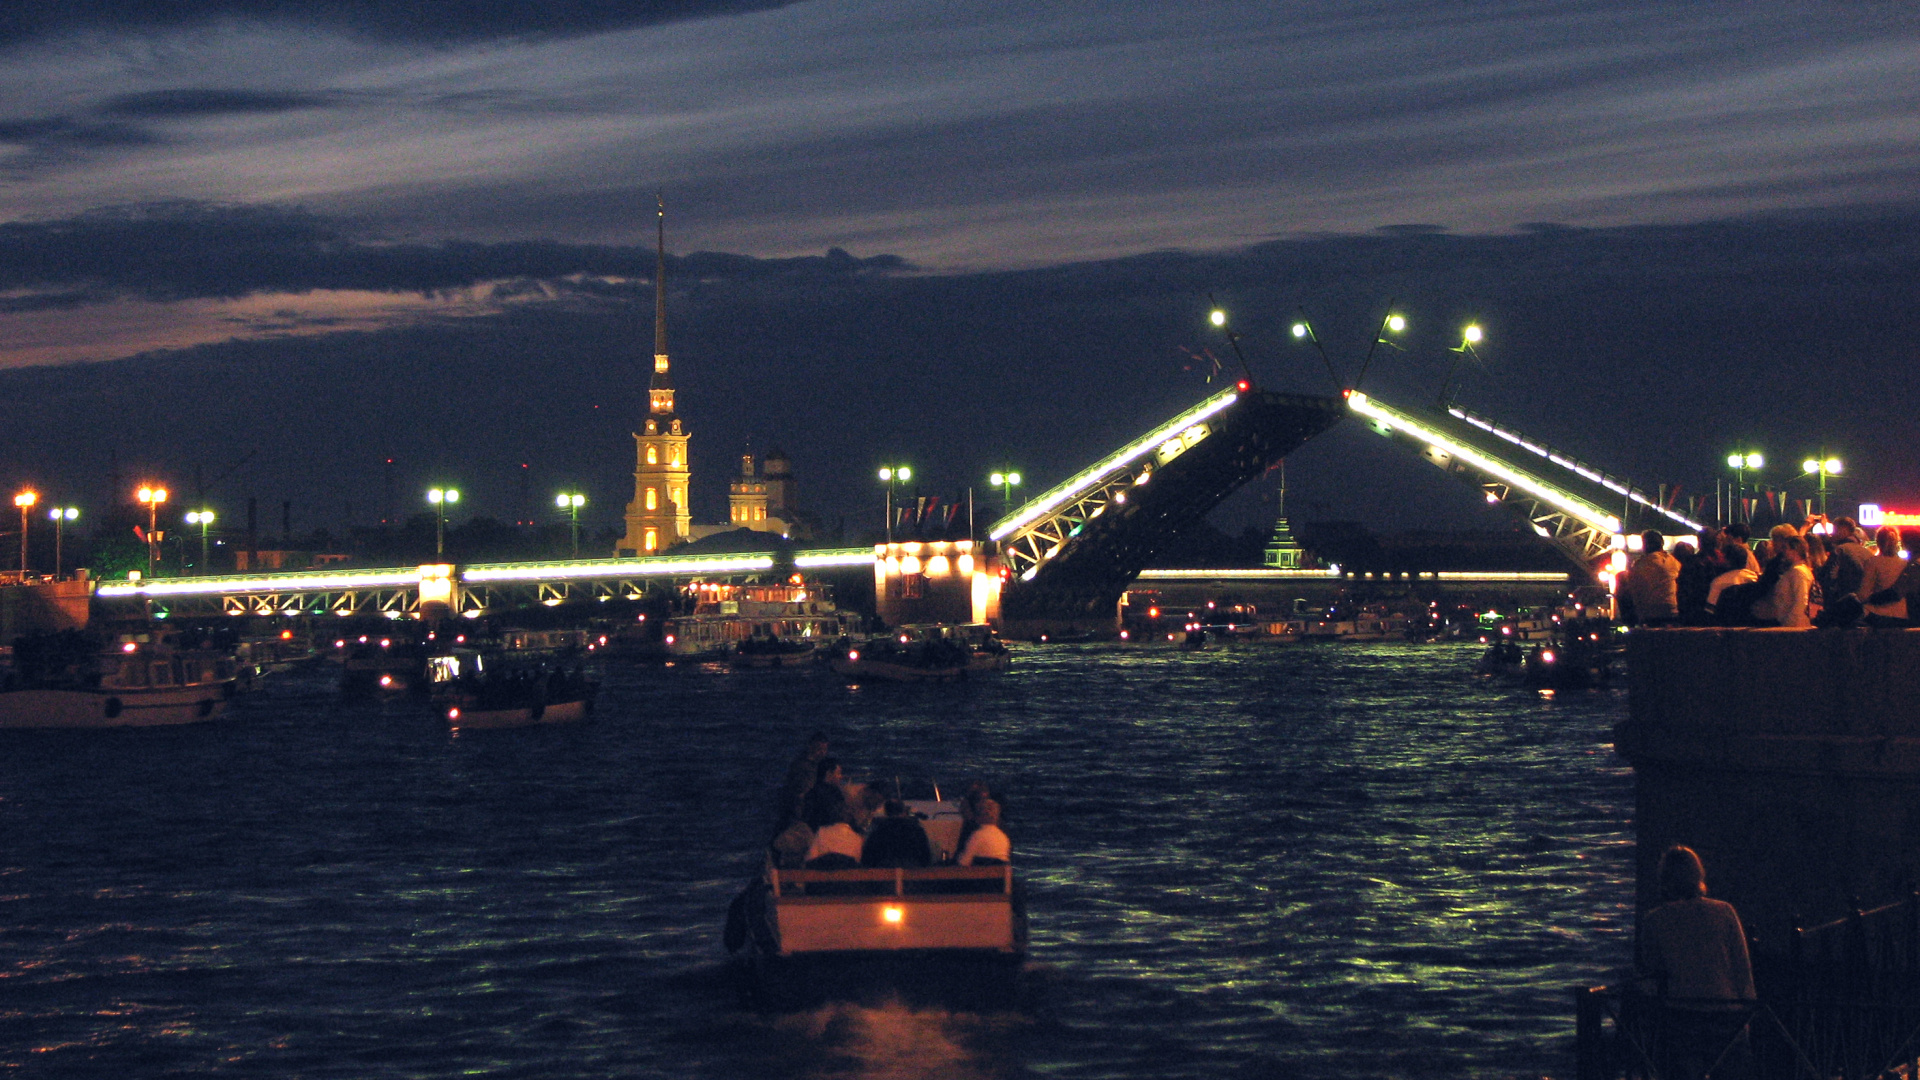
(1243,385)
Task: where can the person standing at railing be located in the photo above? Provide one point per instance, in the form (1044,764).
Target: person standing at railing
(1693,951)
(1652,584)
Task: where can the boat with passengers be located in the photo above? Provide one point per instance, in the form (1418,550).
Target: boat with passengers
(795,928)
(930,652)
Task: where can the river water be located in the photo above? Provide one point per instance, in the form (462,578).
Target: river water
(1306,861)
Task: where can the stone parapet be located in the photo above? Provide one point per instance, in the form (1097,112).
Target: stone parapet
(1790,759)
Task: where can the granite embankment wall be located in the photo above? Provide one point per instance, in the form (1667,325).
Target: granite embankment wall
(1790,759)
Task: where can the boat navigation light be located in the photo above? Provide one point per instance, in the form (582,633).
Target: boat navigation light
(894,914)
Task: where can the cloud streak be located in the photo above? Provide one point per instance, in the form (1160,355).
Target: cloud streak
(1033,132)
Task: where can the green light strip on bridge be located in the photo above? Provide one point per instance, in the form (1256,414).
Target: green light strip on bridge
(606,568)
(842,557)
(1061,494)
(310,582)
(1564,501)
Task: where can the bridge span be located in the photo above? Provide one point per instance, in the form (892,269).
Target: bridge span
(1065,556)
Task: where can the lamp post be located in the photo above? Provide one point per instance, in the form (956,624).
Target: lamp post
(1822,468)
(1740,462)
(1218,318)
(572,502)
(1470,335)
(891,475)
(202,518)
(151,498)
(60,515)
(24,501)
(441,498)
(1006,482)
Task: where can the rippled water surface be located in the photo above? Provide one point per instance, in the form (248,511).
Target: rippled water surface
(1313,861)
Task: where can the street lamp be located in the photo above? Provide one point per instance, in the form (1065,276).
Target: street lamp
(1470,335)
(1006,482)
(572,502)
(24,501)
(441,498)
(202,518)
(60,515)
(1218,318)
(1822,468)
(891,475)
(151,498)
(1740,462)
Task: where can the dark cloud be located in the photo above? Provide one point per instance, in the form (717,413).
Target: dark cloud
(176,251)
(406,20)
(67,134)
(209,101)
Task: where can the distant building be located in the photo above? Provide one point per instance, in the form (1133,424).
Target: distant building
(763,500)
(1283,552)
(659,517)
(263,559)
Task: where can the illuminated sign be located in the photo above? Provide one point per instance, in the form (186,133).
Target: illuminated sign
(1872,517)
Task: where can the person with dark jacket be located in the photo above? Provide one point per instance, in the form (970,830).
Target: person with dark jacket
(897,839)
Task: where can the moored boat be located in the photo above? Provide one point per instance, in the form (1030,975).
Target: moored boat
(73,680)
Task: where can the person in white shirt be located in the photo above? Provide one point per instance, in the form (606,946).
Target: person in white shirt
(988,845)
(837,843)
(1883,573)
(1786,604)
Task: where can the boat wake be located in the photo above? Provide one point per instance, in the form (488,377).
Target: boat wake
(896,1041)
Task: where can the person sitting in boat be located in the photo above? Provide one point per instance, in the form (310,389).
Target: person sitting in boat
(988,845)
(835,845)
(828,790)
(898,839)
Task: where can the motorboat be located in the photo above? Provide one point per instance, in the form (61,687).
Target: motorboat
(505,699)
(922,916)
(930,652)
(74,680)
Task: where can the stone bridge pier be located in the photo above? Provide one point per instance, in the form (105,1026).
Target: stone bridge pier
(1789,759)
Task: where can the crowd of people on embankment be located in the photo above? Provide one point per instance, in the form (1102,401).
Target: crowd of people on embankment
(829,823)
(1820,573)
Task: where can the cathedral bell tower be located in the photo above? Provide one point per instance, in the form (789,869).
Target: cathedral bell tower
(658,517)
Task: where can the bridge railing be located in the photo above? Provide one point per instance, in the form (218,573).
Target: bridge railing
(1566,461)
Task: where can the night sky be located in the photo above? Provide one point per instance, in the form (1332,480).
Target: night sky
(963,235)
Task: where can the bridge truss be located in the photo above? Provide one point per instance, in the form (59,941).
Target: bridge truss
(1071,552)
(1577,528)
(396,592)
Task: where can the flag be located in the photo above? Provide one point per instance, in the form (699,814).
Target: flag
(1673,497)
